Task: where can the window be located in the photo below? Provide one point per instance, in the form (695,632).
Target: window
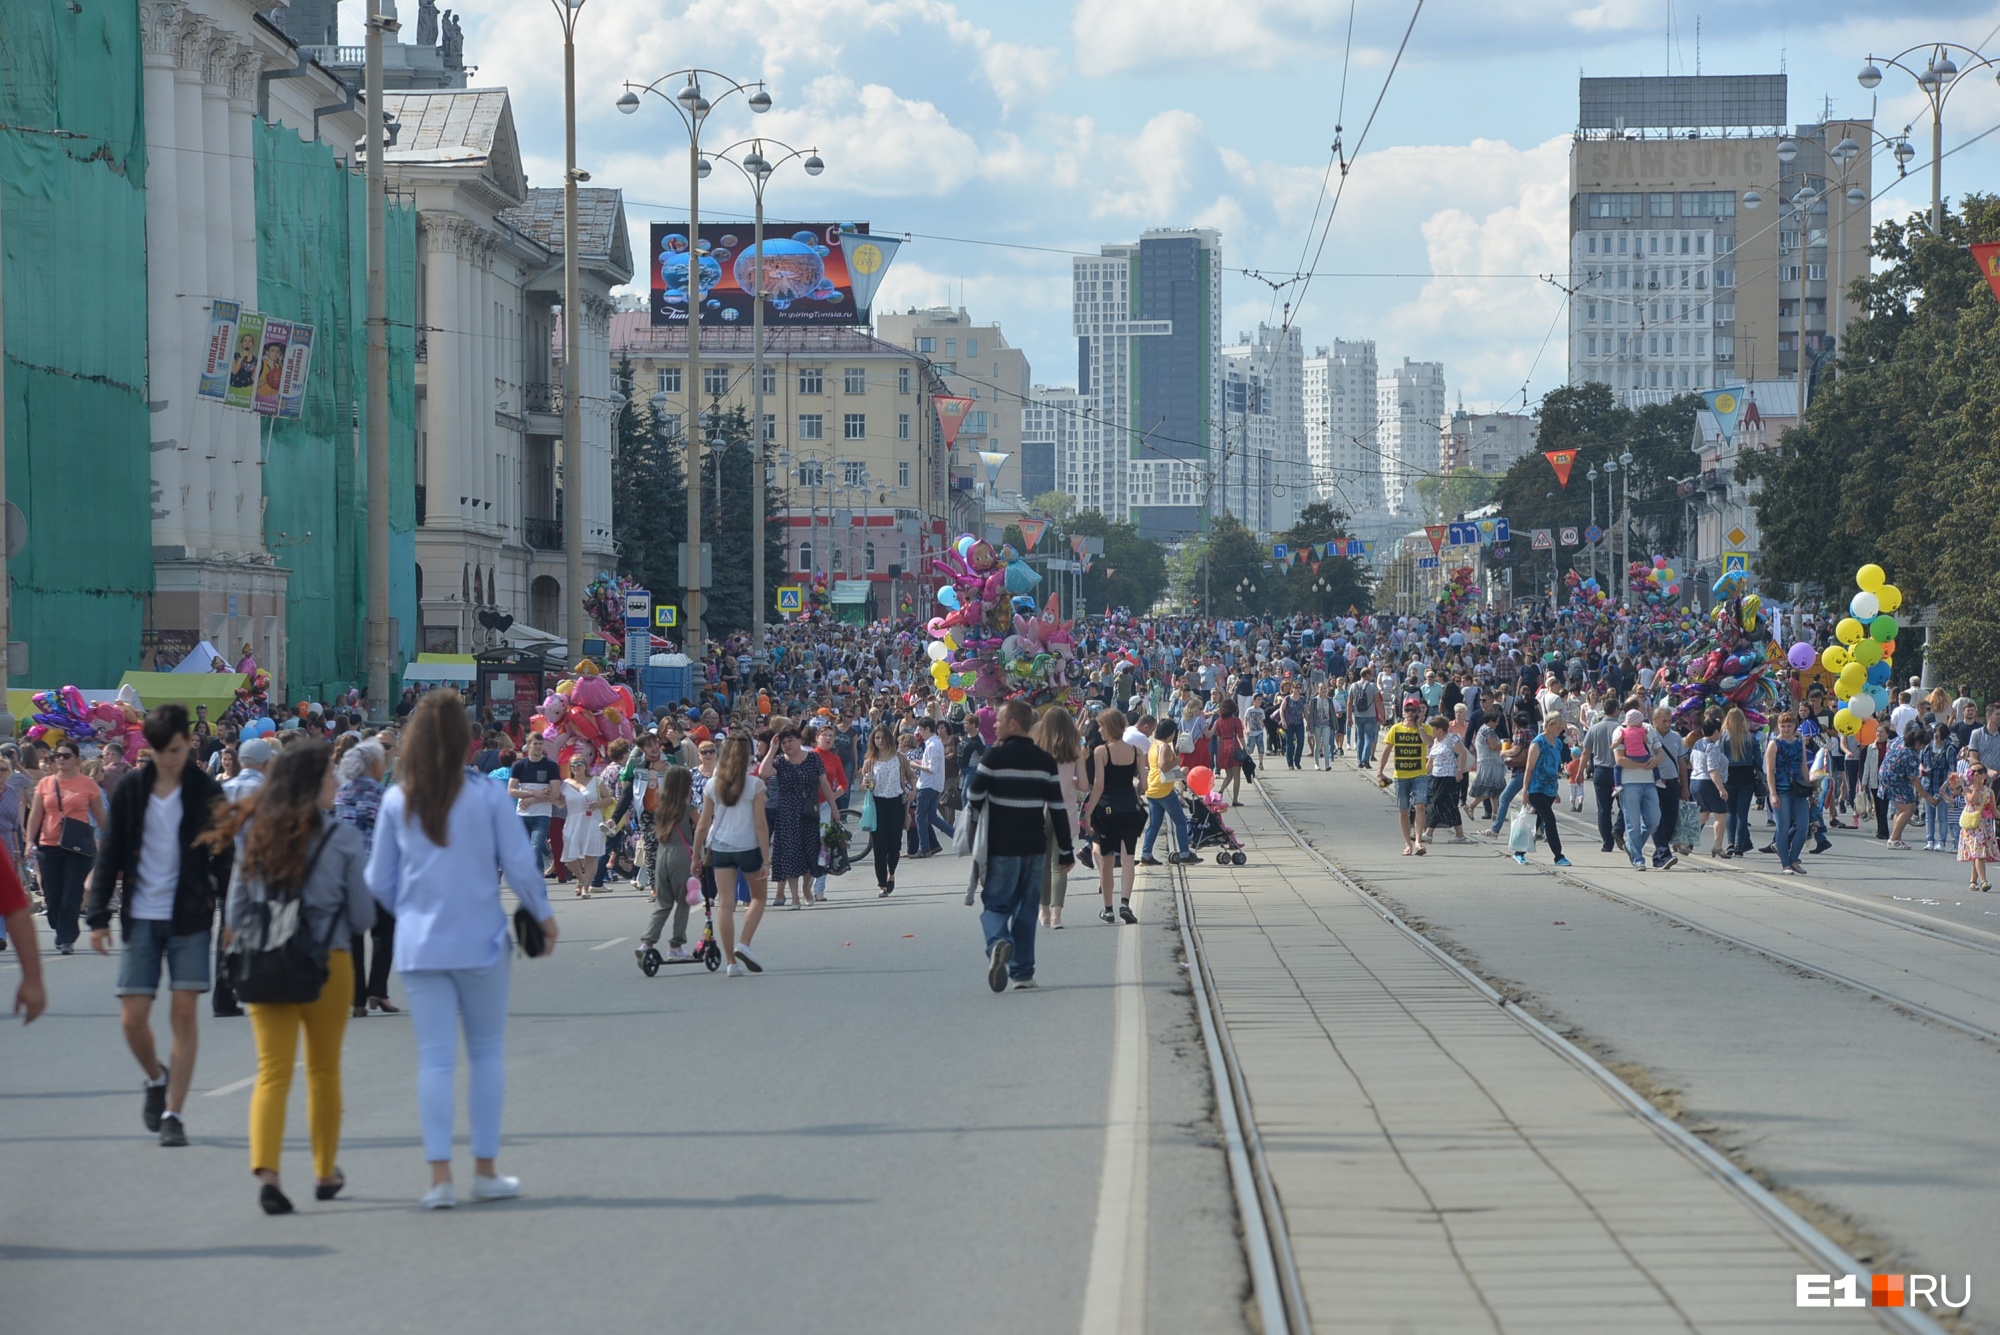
(770,426)
(854,380)
(812,380)
(972,347)
(1653,344)
(1701,279)
(1660,206)
(1815,273)
(812,473)
(951,347)
(812,426)
(1623,237)
(1725,244)
(854,426)
(853,472)
(1653,244)
(1725,346)
(1787,241)
(1685,242)
(902,380)
(975,422)
(1725,278)
(805,556)
(1653,312)
(903,478)
(902,426)
(1725,312)
(1624,276)
(670,379)
(925,343)
(1700,344)
(1653,280)
(1590,346)
(1701,243)
(1612,206)
(715,381)
(868,554)
(1684,278)
(1592,248)
(839,560)
(1590,310)
(903,556)
(1708,204)
(770,380)
(1788,273)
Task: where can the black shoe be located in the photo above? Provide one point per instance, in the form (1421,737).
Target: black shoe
(273,1200)
(156,1099)
(1607,848)
(1821,846)
(1083,855)
(887,890)
(1125,915)
(326,1191)
(172,1133)
(1771,847)
(1151,862)
(1107,916)
(996,965)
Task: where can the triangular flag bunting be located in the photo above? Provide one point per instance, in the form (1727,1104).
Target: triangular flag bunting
(1436,532)
(951,413)
(867,260)
(1032,530)
(1726,404)
(1987,254)
(1562,461)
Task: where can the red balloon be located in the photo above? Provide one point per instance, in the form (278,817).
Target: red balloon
(1200,779)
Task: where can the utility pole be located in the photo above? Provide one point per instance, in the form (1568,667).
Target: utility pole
(572,387)
(381,19)
(695,639)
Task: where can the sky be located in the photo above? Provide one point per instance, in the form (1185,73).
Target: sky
(1006,137)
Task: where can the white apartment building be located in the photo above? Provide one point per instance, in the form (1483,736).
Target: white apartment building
(1050,421)
(1410,413)
(1340,409)
(1266,477)
(1484,442)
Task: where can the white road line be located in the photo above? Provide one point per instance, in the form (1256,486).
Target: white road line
(1114,1296)
(231,1088)
(606,945)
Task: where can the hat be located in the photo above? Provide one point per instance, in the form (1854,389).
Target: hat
(256,751)
(1634,719)
(1413,703)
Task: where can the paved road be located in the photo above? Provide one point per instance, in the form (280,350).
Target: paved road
(1875,1121)
(862,1139)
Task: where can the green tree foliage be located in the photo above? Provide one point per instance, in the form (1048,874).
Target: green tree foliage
(1338,584)
(1229,556)
(648,499)
(730,526)
(1140,563)
(1588,419)
(1057,505)
(1897,460)
(1451,495)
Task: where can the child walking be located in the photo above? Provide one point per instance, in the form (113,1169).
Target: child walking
(1976,842)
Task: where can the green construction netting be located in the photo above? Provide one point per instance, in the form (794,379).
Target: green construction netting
(73,275)
(312,242)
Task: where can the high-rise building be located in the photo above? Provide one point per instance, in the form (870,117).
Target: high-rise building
(1266,479)
(1049,429)
(1343,451)
(1410,413)
(1484,442)
(1706,242)
(1147,317)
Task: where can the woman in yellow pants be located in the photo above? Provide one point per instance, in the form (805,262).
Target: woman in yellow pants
(290,846)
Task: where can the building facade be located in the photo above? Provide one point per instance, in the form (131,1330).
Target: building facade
(977,363)
(1410,413)
(1052,422)
(1484,442)
(1266,476)
(1343,446)
(1709,246)
(1147,318)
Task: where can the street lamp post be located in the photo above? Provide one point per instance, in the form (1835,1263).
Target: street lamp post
(1939,76)
(572,379)
(380,22)
(1592,475)
(1625,527)
(694,107)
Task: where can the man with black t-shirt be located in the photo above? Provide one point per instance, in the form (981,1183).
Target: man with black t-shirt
(532,784)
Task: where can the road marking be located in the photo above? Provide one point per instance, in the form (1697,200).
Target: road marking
(1114,1296)
(606,945)
(244,1083)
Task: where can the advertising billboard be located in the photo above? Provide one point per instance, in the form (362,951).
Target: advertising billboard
(806,279)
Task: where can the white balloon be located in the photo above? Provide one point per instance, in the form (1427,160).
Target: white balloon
(936,651)
(1864,606)
(1862,705)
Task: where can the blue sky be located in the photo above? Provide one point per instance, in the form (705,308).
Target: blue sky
(1063,124)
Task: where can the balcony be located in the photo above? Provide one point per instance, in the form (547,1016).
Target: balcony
(539,397)
(543,534)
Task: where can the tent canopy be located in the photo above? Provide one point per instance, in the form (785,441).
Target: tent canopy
(217,690)
(440,670)
(201,659)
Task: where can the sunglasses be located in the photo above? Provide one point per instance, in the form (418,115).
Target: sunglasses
(65,755)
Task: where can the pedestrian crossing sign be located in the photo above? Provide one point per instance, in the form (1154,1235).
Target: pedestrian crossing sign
(1735,561)
(792,598)
(666,616)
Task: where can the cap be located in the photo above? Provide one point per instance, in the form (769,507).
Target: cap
(1413,702)
(1634,719)
(256,751)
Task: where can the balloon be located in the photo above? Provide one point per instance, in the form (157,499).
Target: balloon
(1845,723)
(1890,597)
(940,674)
(1883,628)
(1867,652)
(947,595)
(1862,706)
(1879,675)
(936,651)
(1801,655)
(1870,578)
(1849,631)
(1852,678)
(1200,779)
(1865,734)
(1865,605)
(955,694)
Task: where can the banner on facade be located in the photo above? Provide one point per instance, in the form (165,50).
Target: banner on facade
(951,413)
(243,363)
(215,364)
(255,362)
(298,367)
(805,275)
(1032,530)
(271,367)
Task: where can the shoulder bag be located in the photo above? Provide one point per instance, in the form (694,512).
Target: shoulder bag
(272,958)
(77,836)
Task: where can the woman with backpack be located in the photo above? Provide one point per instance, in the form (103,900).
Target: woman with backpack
(290,846)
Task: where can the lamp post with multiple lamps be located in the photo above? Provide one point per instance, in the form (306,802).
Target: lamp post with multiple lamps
(1592,475)
(1940,75)
(757,167)
(693,105)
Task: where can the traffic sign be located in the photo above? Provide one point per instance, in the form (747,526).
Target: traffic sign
(666,616)
(1427,563)
(1735,561)
(1501,533)
(1569,537)
(1543,540)
(791,598)
(1279,551)
(1737,537)
(1593,534)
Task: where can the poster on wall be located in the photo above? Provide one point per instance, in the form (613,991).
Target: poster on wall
(214,382)
(806,280)
(243,362)
(271,367)
(298,366)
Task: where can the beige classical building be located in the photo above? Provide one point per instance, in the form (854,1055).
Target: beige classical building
(976,362)
(851,430)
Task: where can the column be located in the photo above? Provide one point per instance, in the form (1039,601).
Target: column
(441,372)
(247,478)
(203,421)
(166,397)
(227,430)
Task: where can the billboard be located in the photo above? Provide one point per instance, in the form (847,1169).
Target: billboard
(806,281)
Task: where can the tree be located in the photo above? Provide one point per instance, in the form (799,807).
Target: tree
(1455,493)
(1228,556)
(1329,585)
(648,499)
(728,523)
(1139,563)
(1059,506)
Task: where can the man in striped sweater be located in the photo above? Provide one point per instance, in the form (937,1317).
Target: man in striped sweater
(1014,788)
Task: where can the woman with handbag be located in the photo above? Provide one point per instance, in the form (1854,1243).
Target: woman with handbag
(289,846)
(441,843)
(60,815)
(887,778)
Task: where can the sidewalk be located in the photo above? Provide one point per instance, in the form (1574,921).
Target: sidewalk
(1442,1170)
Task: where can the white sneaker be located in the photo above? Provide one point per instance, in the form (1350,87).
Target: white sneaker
(439,1197)
(732,971)
(677,953)
(501,1188)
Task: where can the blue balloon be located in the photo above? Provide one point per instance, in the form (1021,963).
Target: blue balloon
(1881,697)
(1878,675)
(1021,577)
(948,596)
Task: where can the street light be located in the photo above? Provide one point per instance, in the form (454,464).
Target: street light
(757,169)
(1625,526)
(1592,475)
(1939,76)
(694,107)
(572,510)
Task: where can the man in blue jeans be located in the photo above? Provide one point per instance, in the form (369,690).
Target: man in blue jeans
(930,788)
(532,784)
(1639,791)
(1015,790)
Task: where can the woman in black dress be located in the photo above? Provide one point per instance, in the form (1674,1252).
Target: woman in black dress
(798,784)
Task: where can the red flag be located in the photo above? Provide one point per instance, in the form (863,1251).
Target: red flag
(1435,532)
(1562,461)
(1987,255)
(1032,530)
(951,415)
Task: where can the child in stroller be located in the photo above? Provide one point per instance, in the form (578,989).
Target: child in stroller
(1207,829)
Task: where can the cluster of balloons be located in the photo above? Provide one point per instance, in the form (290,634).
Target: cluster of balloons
(1864,659)
(585,714)
(1659,583)
(1735,667)
(258,727)
(993,640)
(66,713)
(1458,590)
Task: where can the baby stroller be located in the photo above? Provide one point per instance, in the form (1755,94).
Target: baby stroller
(1207,829)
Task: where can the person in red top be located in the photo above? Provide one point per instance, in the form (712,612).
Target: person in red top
(29,998)
(1229,747)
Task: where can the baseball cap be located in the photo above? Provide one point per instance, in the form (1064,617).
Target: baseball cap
(256,751)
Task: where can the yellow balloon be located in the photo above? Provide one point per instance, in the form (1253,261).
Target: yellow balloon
(1870,578)
(1835,658)
(1867,653)
(1890,597)
(950,640)
(1852,678)
(1845,723)
(1848,631)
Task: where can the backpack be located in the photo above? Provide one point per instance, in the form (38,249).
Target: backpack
(272,958)
(1633,739)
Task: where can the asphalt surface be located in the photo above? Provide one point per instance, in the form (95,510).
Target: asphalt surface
(1874,1121)
(864,1138)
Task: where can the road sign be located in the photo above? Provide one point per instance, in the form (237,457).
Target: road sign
(1593,534)
(1501,533)
(666,616)
(792,598)
(1569,537)
(1737,537)
(1427,563)
(1735,561)
(638,606)
(1543,540)
(1279,551)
